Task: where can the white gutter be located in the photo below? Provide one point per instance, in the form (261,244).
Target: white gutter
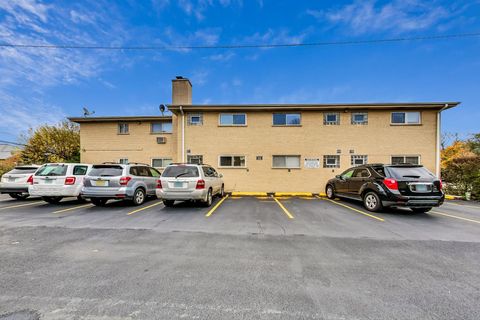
(439,137)
(183,134)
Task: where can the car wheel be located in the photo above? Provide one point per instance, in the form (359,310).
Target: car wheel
(52,200)
(19,196)
(222,192)
(330,193)
(99,202)
(421,210)
(168,203)
(138,197)
(208,200)
(372,202)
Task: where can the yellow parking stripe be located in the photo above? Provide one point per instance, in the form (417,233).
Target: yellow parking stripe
(356,210)
(455,217)
(145,208)
(283,208)
(22,205)
(209,213)
(74,208)
(462,205)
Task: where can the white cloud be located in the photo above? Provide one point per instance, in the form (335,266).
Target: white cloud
(271,36)
(395,16)
(221,57)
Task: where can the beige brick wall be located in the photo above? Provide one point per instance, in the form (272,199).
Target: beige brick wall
(379,140)
(100,142)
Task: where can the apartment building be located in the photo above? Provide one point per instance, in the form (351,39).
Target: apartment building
(270,147)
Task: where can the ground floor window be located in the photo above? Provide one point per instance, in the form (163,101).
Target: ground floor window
(358,160)
(161,162)
(123,161)
(290,162)
(331,161)
(232,161)
(195,159)
(405,159)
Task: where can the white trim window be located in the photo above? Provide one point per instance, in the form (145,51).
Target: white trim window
(358,160)
(286,162)
(410,159)
(123,128)
(123,160)
(195,159)
(232,119)
(406,118)
(161,127)
(227,161)
(331,161)
(161,162)
(331,118)
(195,119)
(360,118)
(286,119)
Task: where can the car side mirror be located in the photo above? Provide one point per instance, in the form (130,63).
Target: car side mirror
(339,177)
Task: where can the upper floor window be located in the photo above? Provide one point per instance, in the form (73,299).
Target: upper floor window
(286,119)
(232,161)
(123,128)
(331,118)
(161,127)
(359,118)
(195,159)
(406,117)
(123,161)
(288,162)
(195,119)
(233,119)
(405,159)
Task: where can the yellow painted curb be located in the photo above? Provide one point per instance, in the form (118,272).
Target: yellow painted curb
(449,197)
(249,194)
(293,194)
(322,194)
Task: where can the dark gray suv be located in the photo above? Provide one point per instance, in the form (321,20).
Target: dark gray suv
(133,181)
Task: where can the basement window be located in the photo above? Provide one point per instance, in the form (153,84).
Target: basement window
(232,161)
(331,161)
(406,117)
(358,160)
(288,162)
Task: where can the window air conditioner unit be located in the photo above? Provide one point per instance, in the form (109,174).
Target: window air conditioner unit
(161,140)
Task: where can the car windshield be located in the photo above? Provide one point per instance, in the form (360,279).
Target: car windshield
(410,173)
(23,170)
(106,171)
(52,170)
(180,171)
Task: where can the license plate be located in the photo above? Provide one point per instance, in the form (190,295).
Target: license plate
(101,183)
(421,188)
(12,179)
(48,181)
(178,184)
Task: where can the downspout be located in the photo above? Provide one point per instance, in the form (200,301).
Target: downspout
(439,137)
(183,134)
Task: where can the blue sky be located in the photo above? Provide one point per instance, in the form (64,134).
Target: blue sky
(44,85)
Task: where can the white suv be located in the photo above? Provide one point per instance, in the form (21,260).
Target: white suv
(16,181)
(189,182)
(54,181)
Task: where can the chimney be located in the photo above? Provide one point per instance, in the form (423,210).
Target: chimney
(181,91)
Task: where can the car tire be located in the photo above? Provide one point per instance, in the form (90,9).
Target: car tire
(208,201)
(99,202)
(138,197)
(222,192)
(372,202)
(168,203)
(330,192)
(420,210)
(52,200)
(19,196)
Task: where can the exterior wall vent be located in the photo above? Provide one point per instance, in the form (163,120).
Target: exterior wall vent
(161,140)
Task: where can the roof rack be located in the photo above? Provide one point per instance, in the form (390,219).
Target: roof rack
(110,162)
(186,163)
(139,163)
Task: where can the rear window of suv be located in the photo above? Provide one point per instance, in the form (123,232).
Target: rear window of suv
(23,170)
(180,171)
(52,170)
(106,171)
(410,173)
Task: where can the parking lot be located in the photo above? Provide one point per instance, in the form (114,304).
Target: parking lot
(244,257)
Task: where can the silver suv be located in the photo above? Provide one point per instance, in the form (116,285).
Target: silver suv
(189,182)
(133,181)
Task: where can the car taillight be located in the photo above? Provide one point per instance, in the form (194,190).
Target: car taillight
(30,180)
(70,180)
(200,184)
(124,180)
(159,184)
(440,185)
(391,184)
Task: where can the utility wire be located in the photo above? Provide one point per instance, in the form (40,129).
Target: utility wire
(242,46)
(12,143)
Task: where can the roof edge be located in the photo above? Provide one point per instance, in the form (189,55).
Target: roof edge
(118,118)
